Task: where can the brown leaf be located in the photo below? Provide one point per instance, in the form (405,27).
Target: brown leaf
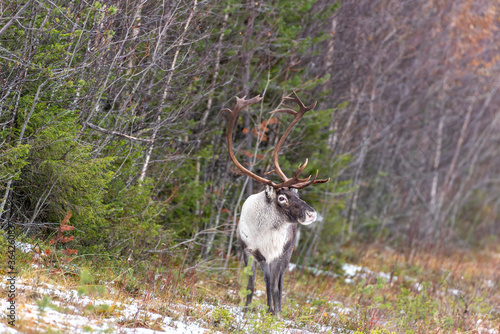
(272,120)
(66,239)
(247,154)
(263,127)
(260,134)
(66,228)
(70,251)
(66,219)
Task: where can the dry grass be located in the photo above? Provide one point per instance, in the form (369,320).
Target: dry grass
(429,292)
(452,292)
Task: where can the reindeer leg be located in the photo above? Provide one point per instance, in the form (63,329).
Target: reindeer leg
(275,267)
(281,281)
(267,278)
(285,261)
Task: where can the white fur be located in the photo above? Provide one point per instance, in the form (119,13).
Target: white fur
(262,229)
(311,218)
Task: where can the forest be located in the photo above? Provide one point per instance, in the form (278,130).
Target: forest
(114,160)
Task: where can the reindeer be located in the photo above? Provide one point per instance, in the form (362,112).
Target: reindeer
(268,223)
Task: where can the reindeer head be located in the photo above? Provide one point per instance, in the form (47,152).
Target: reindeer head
(288,203)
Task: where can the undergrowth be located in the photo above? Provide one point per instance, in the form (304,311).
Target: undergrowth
(453,293)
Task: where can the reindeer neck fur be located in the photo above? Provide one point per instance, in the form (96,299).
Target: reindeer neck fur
(263,229)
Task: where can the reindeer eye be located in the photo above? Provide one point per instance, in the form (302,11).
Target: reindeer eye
(282,198)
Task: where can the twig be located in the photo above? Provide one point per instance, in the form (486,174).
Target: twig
(116,133)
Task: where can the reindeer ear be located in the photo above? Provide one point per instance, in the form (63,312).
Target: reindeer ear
(270,192)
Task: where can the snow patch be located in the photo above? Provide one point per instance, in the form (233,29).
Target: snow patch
(6,329)
(70,321)
(24,247)
(351,272)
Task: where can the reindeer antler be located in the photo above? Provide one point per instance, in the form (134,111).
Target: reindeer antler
(295,181)
(240,105)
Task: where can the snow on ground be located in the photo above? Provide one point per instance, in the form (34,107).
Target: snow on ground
(62,310)
(24,247)
(351,271)
(4,329)
(61,314)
